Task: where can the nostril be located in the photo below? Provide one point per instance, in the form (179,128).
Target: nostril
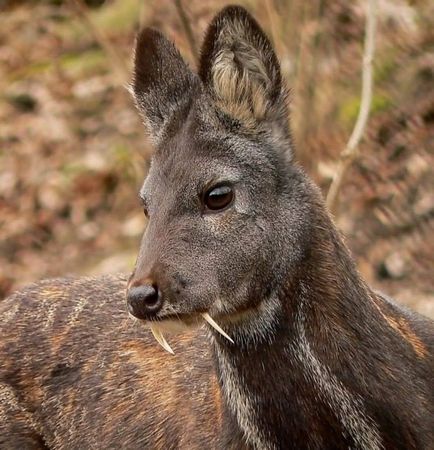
(152,297)
(144,300)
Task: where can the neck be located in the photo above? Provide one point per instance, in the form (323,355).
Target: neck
(281,380)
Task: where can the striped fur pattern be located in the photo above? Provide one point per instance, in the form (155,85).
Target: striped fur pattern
(316,359)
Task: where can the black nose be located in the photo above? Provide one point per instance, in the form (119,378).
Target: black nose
(144,301)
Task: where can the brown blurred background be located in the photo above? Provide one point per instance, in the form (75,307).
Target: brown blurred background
(73,152)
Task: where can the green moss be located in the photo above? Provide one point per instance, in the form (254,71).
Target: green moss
(123,160)
(118,16)
(122,153)
(71,169)
(350,109)
(384,68)
(380,103)
(111,19)
(76,65)
(85,63)
(30,70)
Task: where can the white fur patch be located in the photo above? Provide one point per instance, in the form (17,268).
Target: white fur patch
(254,327)
(240,403)
(348,407)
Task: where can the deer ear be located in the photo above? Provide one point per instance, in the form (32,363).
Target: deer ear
(162,83)
(240,69)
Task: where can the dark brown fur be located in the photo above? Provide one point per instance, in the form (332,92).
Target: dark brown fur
(319,360)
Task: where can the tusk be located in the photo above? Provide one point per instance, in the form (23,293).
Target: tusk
(158,335)
(216,327)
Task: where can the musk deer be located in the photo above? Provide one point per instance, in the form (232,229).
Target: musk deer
(296,351)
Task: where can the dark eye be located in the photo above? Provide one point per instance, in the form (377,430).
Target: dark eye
(218,197)
(145,211)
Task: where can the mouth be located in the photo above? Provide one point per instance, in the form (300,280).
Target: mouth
(178,322)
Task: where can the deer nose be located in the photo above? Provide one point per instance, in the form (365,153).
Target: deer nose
(144,301)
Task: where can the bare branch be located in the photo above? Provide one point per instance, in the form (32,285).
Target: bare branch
(116,60)
(351,150)
(187,29)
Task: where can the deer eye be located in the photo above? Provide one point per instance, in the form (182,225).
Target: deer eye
(218,197)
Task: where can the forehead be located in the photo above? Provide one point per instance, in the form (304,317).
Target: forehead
(199,154)
(190,164)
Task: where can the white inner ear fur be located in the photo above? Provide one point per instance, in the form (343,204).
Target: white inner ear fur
(240,78)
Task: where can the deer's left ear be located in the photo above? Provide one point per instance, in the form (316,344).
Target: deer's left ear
(240,69)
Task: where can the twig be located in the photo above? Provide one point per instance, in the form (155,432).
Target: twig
(114,57)
(187,29)
(351,151)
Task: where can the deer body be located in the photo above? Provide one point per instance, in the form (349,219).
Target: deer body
(84,377)
(237,232)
